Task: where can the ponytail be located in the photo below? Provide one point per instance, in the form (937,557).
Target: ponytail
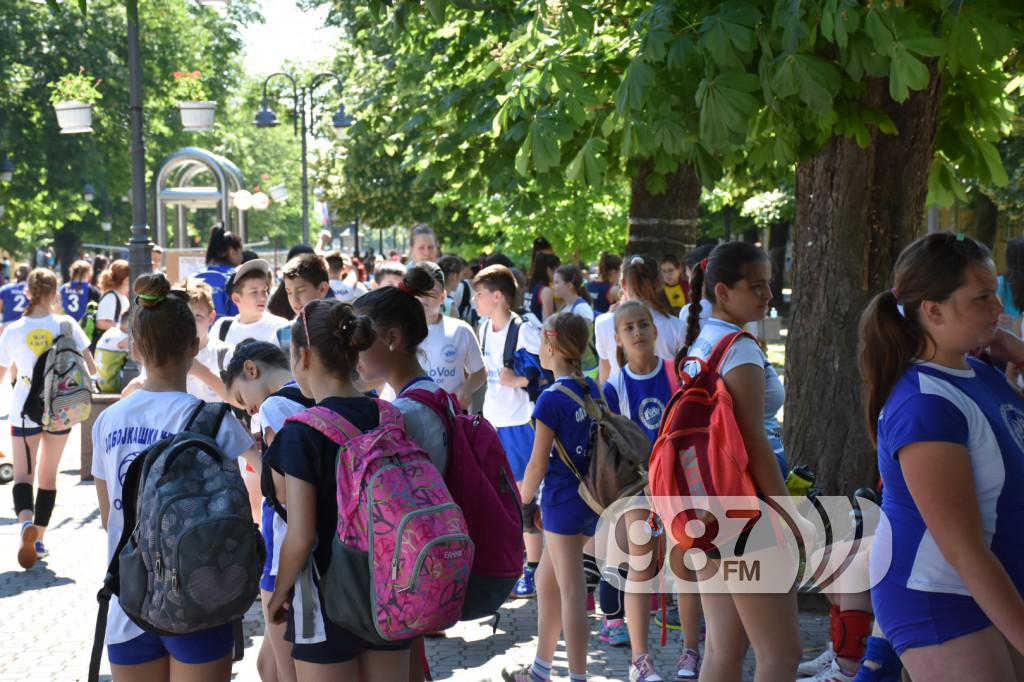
(693,316)
(888,344)
(932,268)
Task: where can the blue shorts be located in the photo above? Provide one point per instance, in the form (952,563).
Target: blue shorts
(518,442)
(268,580)
(568,517)
(911,618)
(775,440)
(18,432)
(199,647)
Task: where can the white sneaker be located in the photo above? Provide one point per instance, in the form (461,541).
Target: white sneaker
(821,663)
(832,674)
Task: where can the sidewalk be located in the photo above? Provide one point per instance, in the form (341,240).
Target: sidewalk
(49,612)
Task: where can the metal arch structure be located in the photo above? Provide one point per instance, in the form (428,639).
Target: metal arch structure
(174,187)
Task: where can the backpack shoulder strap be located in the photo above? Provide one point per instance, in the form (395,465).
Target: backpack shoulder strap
(327,422)
(117,308)
(673,377)
(511,340)
(595,407)
(563,455)
(725,344)
(225,326)
(206,418)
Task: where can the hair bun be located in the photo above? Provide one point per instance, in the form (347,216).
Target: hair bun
(151,289)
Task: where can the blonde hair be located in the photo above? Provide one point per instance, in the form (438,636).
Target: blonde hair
(199,292)
(569,335)
(41,284)
(81,270)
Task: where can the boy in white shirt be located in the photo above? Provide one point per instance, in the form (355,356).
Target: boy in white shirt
(250,291)
(507,404)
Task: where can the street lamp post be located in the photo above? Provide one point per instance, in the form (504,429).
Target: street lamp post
(139,246)
(266,118)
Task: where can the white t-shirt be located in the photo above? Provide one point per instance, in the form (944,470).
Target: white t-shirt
(108,308)
(121,432)
(579,307)
(423,425)
(504,405)
(744,352)
(21,344)
(671,337)
(705,312)
(111,338)
(450,353)
(263,329)
(207,356)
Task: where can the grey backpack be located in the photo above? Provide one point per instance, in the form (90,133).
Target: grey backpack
(190,556)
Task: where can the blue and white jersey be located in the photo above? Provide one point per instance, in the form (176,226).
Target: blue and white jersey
(15,301)
(641,397)
(74,297)
(975,408)
(569,420)
(217,275)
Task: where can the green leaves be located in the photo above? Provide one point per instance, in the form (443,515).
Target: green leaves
(728,36)
(906,73)
(812,78)
(726,107)
(589,164)
(633,90)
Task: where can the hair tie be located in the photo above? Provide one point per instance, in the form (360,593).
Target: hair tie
(960,236)
(899,306)
(406,289)
(149,297)
(894,293)
(704,265)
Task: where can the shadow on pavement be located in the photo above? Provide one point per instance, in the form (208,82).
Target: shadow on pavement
(40,577)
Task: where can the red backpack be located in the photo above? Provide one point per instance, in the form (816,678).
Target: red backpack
(481,483)
(700,450)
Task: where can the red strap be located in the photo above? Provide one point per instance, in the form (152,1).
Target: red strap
(673,376)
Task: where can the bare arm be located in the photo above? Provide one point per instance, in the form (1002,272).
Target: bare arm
(510,378)
(473,383)
(547,302)
(104,501)
(941,481)
(746,384)
(604,370)
(206,375)
(298,543)
(537,468)
(90,361)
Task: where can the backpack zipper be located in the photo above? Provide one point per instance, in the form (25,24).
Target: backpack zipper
(405,521)
(418,566)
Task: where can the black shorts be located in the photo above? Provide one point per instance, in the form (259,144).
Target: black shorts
(18,432)
(340,646)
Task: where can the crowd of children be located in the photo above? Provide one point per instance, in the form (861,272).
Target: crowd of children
(532,354)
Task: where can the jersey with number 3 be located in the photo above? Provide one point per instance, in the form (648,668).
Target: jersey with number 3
(74,296)
(15,301)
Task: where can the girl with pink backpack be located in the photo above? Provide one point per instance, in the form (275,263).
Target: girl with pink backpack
(327,337)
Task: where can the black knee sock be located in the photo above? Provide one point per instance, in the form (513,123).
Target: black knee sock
(591,571)
(45,500)
(22,494)
(611,600)
(532,565)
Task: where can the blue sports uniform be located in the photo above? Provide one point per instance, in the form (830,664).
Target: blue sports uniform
(217,275)
(562,510)
(919,598)
(641,397)
(74,297)
(15,301)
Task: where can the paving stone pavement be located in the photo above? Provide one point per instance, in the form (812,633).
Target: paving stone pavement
(48,613)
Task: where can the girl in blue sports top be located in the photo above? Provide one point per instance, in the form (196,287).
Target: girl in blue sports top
(735,279)
(950,435)
(258,379)
(75,294)
(640,390)
(223,255)
(326,340)
(164,335)
(568,521)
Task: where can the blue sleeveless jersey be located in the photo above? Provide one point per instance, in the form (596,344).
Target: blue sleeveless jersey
(74,297)
(15,301)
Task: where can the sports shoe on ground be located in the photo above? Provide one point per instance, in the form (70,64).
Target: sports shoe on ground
(688,665)
(673,617)
(617,633)
(41,550)
(642,670)
(520,675)
(816,665)
(27,556)
(832,674)
(525,588)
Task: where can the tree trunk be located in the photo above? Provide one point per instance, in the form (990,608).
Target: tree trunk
(856,210)
(664,223)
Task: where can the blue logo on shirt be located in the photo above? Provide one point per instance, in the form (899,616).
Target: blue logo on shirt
(1014,420)
(650,413)
(449,353)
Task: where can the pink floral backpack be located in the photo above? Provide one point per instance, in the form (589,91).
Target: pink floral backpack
(402,556)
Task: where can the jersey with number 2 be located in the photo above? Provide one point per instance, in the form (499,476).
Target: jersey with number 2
(15,301)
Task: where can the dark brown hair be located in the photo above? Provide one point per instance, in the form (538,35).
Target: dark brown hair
(80,268)
(221,243)
(571,274)
(608,263)
(498,278)
(336,334)
(542,262)
(930,269)
(398,307)
(643,279)
(307,266)
(162,325)
(726,265)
